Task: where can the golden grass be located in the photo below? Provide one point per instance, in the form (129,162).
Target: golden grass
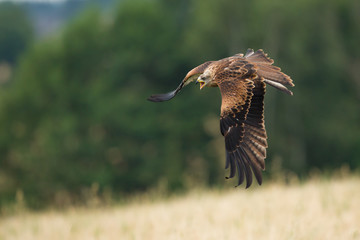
(318,209)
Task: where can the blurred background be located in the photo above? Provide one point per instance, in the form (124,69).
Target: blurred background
(75,75)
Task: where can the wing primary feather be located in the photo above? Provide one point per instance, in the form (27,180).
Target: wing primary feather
(232,166)
(240,172)
(252,156)
(227,160)
(247,170)
(257,173)
(256,170)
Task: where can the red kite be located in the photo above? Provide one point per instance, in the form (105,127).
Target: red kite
(241,80)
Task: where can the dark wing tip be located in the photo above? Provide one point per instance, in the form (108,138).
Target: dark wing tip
(165,96)
(239,162)
(162,97)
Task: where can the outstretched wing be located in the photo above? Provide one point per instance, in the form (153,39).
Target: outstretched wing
(190,76)
(165,96)
(242,120)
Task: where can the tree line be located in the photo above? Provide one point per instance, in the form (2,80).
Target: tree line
(75,114)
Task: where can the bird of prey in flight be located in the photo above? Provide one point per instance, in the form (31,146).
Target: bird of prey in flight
(241,80)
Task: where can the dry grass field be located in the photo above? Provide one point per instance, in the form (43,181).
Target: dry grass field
(317,209)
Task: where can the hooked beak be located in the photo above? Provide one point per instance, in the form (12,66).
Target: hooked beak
(202,83)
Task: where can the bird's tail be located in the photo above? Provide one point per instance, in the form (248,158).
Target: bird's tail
(272,75)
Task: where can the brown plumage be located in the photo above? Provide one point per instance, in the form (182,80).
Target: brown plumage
(241,80)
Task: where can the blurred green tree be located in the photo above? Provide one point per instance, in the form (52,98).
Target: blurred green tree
(77,112)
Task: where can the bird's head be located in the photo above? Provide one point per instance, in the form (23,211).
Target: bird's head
(204,79)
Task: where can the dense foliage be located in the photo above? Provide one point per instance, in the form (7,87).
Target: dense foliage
(75,115)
